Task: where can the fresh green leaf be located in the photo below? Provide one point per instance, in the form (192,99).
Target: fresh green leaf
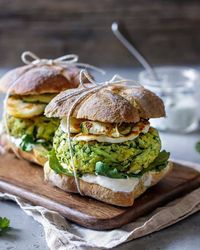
(161,161)
(55,164)
(198,146)
(4,224)
(27,143)
(158,164)
(102,169)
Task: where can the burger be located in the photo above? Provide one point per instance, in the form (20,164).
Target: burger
(115,152)
(27,131)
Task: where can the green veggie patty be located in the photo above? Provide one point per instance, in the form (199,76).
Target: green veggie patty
(116,160)
(36,130)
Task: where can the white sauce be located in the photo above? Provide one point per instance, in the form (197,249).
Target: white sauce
(116,185)
(119,185)
(16,141)
(147,179)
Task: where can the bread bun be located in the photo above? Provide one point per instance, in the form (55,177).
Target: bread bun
(101,193)
(32,80)
(113,104)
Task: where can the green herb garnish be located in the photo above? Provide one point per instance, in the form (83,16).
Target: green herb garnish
(157,165)
(198,147)
(102,169)
(27,143)
(4,224)
(55,164)
(160,162)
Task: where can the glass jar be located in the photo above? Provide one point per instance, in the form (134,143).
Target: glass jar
(179,88)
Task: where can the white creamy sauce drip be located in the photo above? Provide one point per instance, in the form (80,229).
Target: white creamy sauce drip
(16,141)
(147,178)
(118,185)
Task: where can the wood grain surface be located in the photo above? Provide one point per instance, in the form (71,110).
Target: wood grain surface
(25,180)
(164,31)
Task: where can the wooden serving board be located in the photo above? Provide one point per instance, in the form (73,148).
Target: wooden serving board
(25,180)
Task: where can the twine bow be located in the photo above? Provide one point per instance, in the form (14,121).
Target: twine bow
(29,58)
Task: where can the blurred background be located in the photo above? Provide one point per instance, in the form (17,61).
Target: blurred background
(165,31)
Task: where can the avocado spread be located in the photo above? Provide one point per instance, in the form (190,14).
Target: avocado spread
(130,157)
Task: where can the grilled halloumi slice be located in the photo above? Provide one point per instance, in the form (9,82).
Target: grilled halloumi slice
(17,108)
(88,130)
(137,129)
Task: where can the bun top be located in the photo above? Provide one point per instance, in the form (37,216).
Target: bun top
(34,80)
(113,104)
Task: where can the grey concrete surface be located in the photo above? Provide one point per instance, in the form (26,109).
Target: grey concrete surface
(26,234)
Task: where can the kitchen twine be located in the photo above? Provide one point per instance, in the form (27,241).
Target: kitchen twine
(84,92)
(29,58)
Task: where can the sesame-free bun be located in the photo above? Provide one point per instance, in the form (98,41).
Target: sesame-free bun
(34,80)
(113,104)
(104,194)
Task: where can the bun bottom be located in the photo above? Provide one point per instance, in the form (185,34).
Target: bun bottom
(123,199)
(34,155)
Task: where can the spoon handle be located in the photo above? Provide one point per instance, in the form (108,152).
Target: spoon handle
(133,50)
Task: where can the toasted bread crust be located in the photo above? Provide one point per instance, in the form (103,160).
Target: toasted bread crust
(148,104)
(32,156)
(113,104)
(101,193)
(32,80)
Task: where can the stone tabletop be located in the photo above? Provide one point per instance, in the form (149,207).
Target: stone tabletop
(26,234)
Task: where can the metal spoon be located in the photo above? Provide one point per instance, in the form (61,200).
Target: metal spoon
(133,50)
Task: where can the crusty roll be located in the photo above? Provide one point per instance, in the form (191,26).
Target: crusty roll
(32,81)
(35,80)
(113,104)
(104,194)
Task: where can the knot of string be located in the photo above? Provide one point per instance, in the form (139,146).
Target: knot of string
(82,94)
(29,58)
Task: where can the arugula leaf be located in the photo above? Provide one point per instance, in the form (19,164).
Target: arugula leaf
(102,169)
(55,164)
(160,162)
(27,143)
(4,224)
(198,147)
